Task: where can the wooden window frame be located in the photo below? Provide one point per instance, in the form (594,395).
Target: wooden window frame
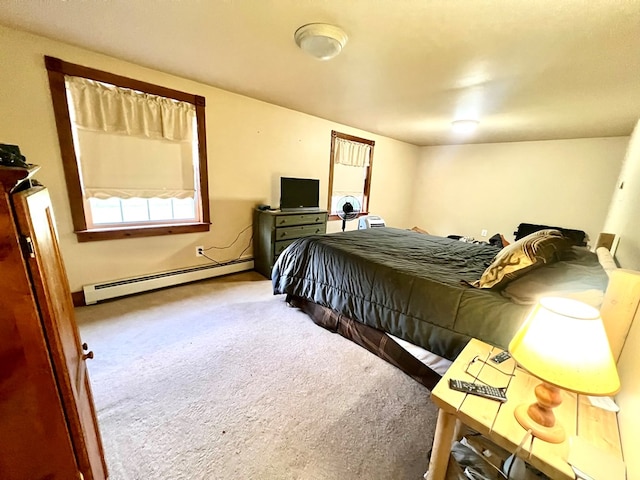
(367,180)
(57,69)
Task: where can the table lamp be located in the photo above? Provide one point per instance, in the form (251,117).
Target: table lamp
(562,342)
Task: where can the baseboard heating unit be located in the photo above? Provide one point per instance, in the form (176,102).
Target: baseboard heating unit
(120,288)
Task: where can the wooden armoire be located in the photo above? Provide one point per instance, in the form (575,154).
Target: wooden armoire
(48,424)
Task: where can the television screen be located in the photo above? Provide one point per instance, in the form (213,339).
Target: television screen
(296,193)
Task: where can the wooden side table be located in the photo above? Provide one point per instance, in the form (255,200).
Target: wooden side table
(495,420)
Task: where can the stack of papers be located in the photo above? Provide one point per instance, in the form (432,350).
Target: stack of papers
(606,403)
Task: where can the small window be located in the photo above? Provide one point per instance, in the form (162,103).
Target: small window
(349,171)
(134,154)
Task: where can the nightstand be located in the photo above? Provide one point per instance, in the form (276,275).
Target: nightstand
(495,420)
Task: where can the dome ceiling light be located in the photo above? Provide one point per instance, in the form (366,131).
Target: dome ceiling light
(464,126)
(321,40)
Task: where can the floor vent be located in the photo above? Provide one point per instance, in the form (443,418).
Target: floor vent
(118,288)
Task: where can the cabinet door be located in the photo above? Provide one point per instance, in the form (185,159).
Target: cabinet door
(34,440)
(49,278)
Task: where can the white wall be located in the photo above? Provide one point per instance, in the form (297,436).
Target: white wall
(623,220)
(462,189)
(250,144)
(624,212)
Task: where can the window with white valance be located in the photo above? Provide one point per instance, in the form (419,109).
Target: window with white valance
(350,169)
(351,153)
(134,154)
(131,144)
(103,107)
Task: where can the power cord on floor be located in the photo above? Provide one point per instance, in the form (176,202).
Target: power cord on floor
(229,246)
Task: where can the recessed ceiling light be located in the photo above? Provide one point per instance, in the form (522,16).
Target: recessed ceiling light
(321,40)
(464,126)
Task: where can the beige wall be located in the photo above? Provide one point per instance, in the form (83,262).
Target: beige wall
(250,145)
(623,218)
(463,189)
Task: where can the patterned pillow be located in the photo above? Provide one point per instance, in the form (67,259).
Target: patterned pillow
(513,261)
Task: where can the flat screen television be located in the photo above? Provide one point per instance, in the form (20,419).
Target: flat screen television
(299,193)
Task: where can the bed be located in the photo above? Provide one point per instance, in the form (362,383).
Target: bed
(390,290)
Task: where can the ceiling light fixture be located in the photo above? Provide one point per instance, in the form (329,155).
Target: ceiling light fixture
(464,126)
(321,40)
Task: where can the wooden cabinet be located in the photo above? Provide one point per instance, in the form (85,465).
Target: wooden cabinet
(48,425)
(275,230)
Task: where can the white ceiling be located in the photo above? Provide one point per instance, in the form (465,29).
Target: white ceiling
(527,69)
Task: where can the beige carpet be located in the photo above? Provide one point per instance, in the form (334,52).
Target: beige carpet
(222,380)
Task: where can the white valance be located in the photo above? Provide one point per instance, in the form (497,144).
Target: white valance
(353,154)
(102,107)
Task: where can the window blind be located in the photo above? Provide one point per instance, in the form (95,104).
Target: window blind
(131,144)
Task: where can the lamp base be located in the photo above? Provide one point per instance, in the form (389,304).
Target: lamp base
(553,434)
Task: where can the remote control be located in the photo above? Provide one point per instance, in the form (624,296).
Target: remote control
(481,390)
(501,357)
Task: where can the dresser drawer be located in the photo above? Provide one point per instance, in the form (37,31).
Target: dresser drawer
(280,246)
(288,233)
(275,230)
(300,219)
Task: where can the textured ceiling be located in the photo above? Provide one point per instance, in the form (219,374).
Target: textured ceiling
(527,69)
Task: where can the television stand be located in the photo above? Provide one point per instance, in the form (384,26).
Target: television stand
(275,230)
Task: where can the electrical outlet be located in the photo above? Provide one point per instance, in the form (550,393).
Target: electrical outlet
(483,233)
(200,251)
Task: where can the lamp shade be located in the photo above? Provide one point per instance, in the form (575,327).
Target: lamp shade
(563,342)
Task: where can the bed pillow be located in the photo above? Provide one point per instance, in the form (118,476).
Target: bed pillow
(513,261)
(578,275)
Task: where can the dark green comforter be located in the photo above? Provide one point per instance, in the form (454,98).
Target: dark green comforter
(402,282)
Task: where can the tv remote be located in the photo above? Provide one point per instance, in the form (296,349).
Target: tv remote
(481,390)
(501,357)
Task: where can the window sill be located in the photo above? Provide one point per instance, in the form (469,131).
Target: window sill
(336,217)
(98,234)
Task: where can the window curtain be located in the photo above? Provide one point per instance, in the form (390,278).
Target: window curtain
(131,144)
(353,154)
(103,107)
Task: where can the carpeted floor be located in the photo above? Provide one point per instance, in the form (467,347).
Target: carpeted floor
(222,380)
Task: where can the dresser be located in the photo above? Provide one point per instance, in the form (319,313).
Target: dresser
(275,230)
(48,427)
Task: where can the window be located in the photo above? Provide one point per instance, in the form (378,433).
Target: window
(134,154)
(350,170)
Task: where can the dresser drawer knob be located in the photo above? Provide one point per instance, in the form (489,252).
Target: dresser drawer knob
(85,347)
(88,355)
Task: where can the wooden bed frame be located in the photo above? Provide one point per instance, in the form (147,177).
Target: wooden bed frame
(620,313)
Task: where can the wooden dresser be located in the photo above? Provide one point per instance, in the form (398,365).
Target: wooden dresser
(275,230)
(48,425)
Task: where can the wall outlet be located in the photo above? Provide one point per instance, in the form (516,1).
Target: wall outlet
(200,251)
(483,233)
